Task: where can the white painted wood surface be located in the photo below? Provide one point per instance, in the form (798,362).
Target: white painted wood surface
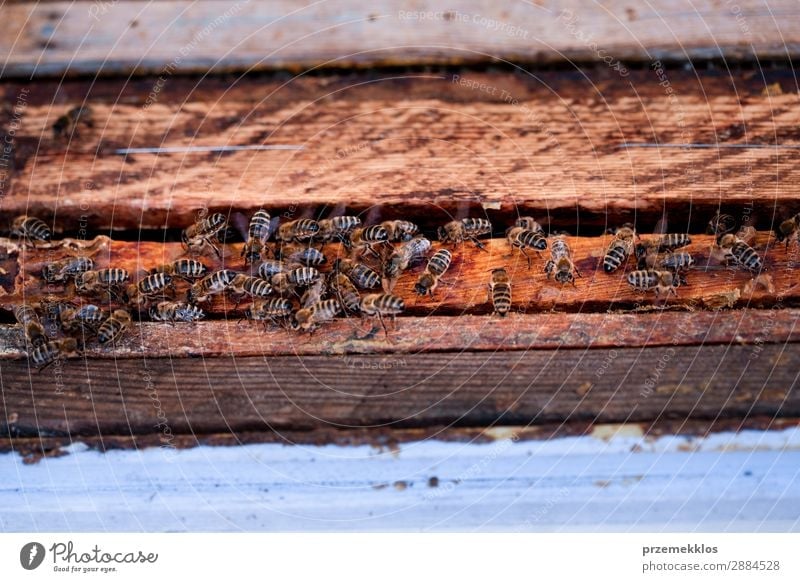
(122,36)
(726,482)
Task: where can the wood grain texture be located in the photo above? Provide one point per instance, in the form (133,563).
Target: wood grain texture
(224,394)
(567,147)
(126,36)
(464,291)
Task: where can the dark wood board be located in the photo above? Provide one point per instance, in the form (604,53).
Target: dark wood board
(224,394)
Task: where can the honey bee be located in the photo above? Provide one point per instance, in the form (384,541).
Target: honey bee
(437,266)
(736,250)
(315,293)
(31,230)
(112,328)
(171,311)
(620,248)
(365,238)
(213,284)
(677,262)
(358,273)
(560,264)
(35,333)
(32,328)
(86,319)
(310,318)
(457,231)
(661,281)
(201,234)
(400,230)
(721,224)
(154,284)
(258,234)
(52,351)
(747,234)
(67,124)
(188,269)
(338,227)
(500,292)
(253,286)
(59,271)
(345,291)
(270,310)
(286,281)
(521,238)
(268,268)
(380,305)
(647,254)
(788,230)
(297,230)
(53,307)
(528,223)
(25,314)
(103,279)
(308,256)
(405,254)
(673,241)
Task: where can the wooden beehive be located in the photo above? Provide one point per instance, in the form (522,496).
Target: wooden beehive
(582,152)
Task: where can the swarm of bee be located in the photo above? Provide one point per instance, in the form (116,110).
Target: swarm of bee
(289,282)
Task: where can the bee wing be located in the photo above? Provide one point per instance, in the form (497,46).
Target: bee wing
(662,225)
(240,222)
(373,215)
(462,210)
(338,210)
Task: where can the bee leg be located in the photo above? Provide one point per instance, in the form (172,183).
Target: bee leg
(527,256)
(216,249)
(383,325)
(478,243)
(41,369)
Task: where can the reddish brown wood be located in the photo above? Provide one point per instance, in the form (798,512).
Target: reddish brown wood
(418,145)
(711,285)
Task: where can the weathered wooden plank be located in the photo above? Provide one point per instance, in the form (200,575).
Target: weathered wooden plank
(432,334)
(125,36)
(565,147)
(171,396)
(465,288)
